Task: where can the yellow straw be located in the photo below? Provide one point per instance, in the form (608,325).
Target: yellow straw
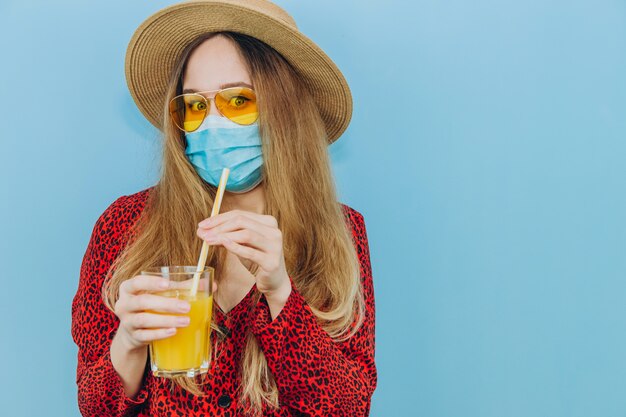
(205,246)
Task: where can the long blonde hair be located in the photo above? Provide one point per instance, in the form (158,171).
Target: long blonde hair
(299,192)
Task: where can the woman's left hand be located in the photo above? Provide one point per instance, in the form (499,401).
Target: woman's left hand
(255,237)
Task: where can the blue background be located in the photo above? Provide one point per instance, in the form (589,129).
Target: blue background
(486,153)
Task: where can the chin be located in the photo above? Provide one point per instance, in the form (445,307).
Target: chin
(244,192)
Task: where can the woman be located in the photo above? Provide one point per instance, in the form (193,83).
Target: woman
(233,83)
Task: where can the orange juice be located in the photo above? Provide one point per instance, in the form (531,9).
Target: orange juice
(187,351)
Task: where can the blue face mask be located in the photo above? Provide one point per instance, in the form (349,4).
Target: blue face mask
(221,143)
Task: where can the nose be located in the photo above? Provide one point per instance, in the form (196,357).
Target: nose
(213,107)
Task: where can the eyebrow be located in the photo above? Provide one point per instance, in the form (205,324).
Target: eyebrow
(227,85)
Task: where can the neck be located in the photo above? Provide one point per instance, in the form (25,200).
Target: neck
(253,200)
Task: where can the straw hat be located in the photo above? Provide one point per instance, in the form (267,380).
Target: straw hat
(157,43)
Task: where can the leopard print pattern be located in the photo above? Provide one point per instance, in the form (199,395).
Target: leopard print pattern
(315,375)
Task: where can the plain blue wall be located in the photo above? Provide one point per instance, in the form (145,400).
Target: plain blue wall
(486,153)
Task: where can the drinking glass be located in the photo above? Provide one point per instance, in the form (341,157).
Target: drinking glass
(187,352)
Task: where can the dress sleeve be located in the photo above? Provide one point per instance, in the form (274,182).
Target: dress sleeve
(315,375)
(100,389)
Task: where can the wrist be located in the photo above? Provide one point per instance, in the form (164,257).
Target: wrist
(276,299)
(123,344)
(279,294)
(129,363)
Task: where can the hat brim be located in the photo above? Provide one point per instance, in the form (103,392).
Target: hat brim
(158,42)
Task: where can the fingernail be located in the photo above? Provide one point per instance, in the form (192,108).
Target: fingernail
(170,331)
(183,321)
(184,306)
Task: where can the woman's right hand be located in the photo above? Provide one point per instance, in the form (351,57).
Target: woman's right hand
(138,327)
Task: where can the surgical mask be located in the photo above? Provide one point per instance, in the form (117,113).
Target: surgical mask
(220,143)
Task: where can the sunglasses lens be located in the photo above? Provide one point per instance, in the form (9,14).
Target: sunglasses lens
(238,104)
(188,111)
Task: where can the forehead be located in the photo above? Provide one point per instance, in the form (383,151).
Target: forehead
(213,64)
(221,86)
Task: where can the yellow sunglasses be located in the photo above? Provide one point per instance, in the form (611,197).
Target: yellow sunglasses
(235,103)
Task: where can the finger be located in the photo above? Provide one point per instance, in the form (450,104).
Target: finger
(152,302)
(157,321)
(245,237)
(247,252)
(148,335)
(140,283)
(220,218)
(238,223)
(188,283)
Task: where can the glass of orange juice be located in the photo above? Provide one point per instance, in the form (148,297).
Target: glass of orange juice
(186,353)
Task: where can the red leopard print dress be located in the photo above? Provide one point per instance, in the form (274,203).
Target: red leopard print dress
(315,375)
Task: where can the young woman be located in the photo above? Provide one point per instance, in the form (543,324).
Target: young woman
(233,83)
